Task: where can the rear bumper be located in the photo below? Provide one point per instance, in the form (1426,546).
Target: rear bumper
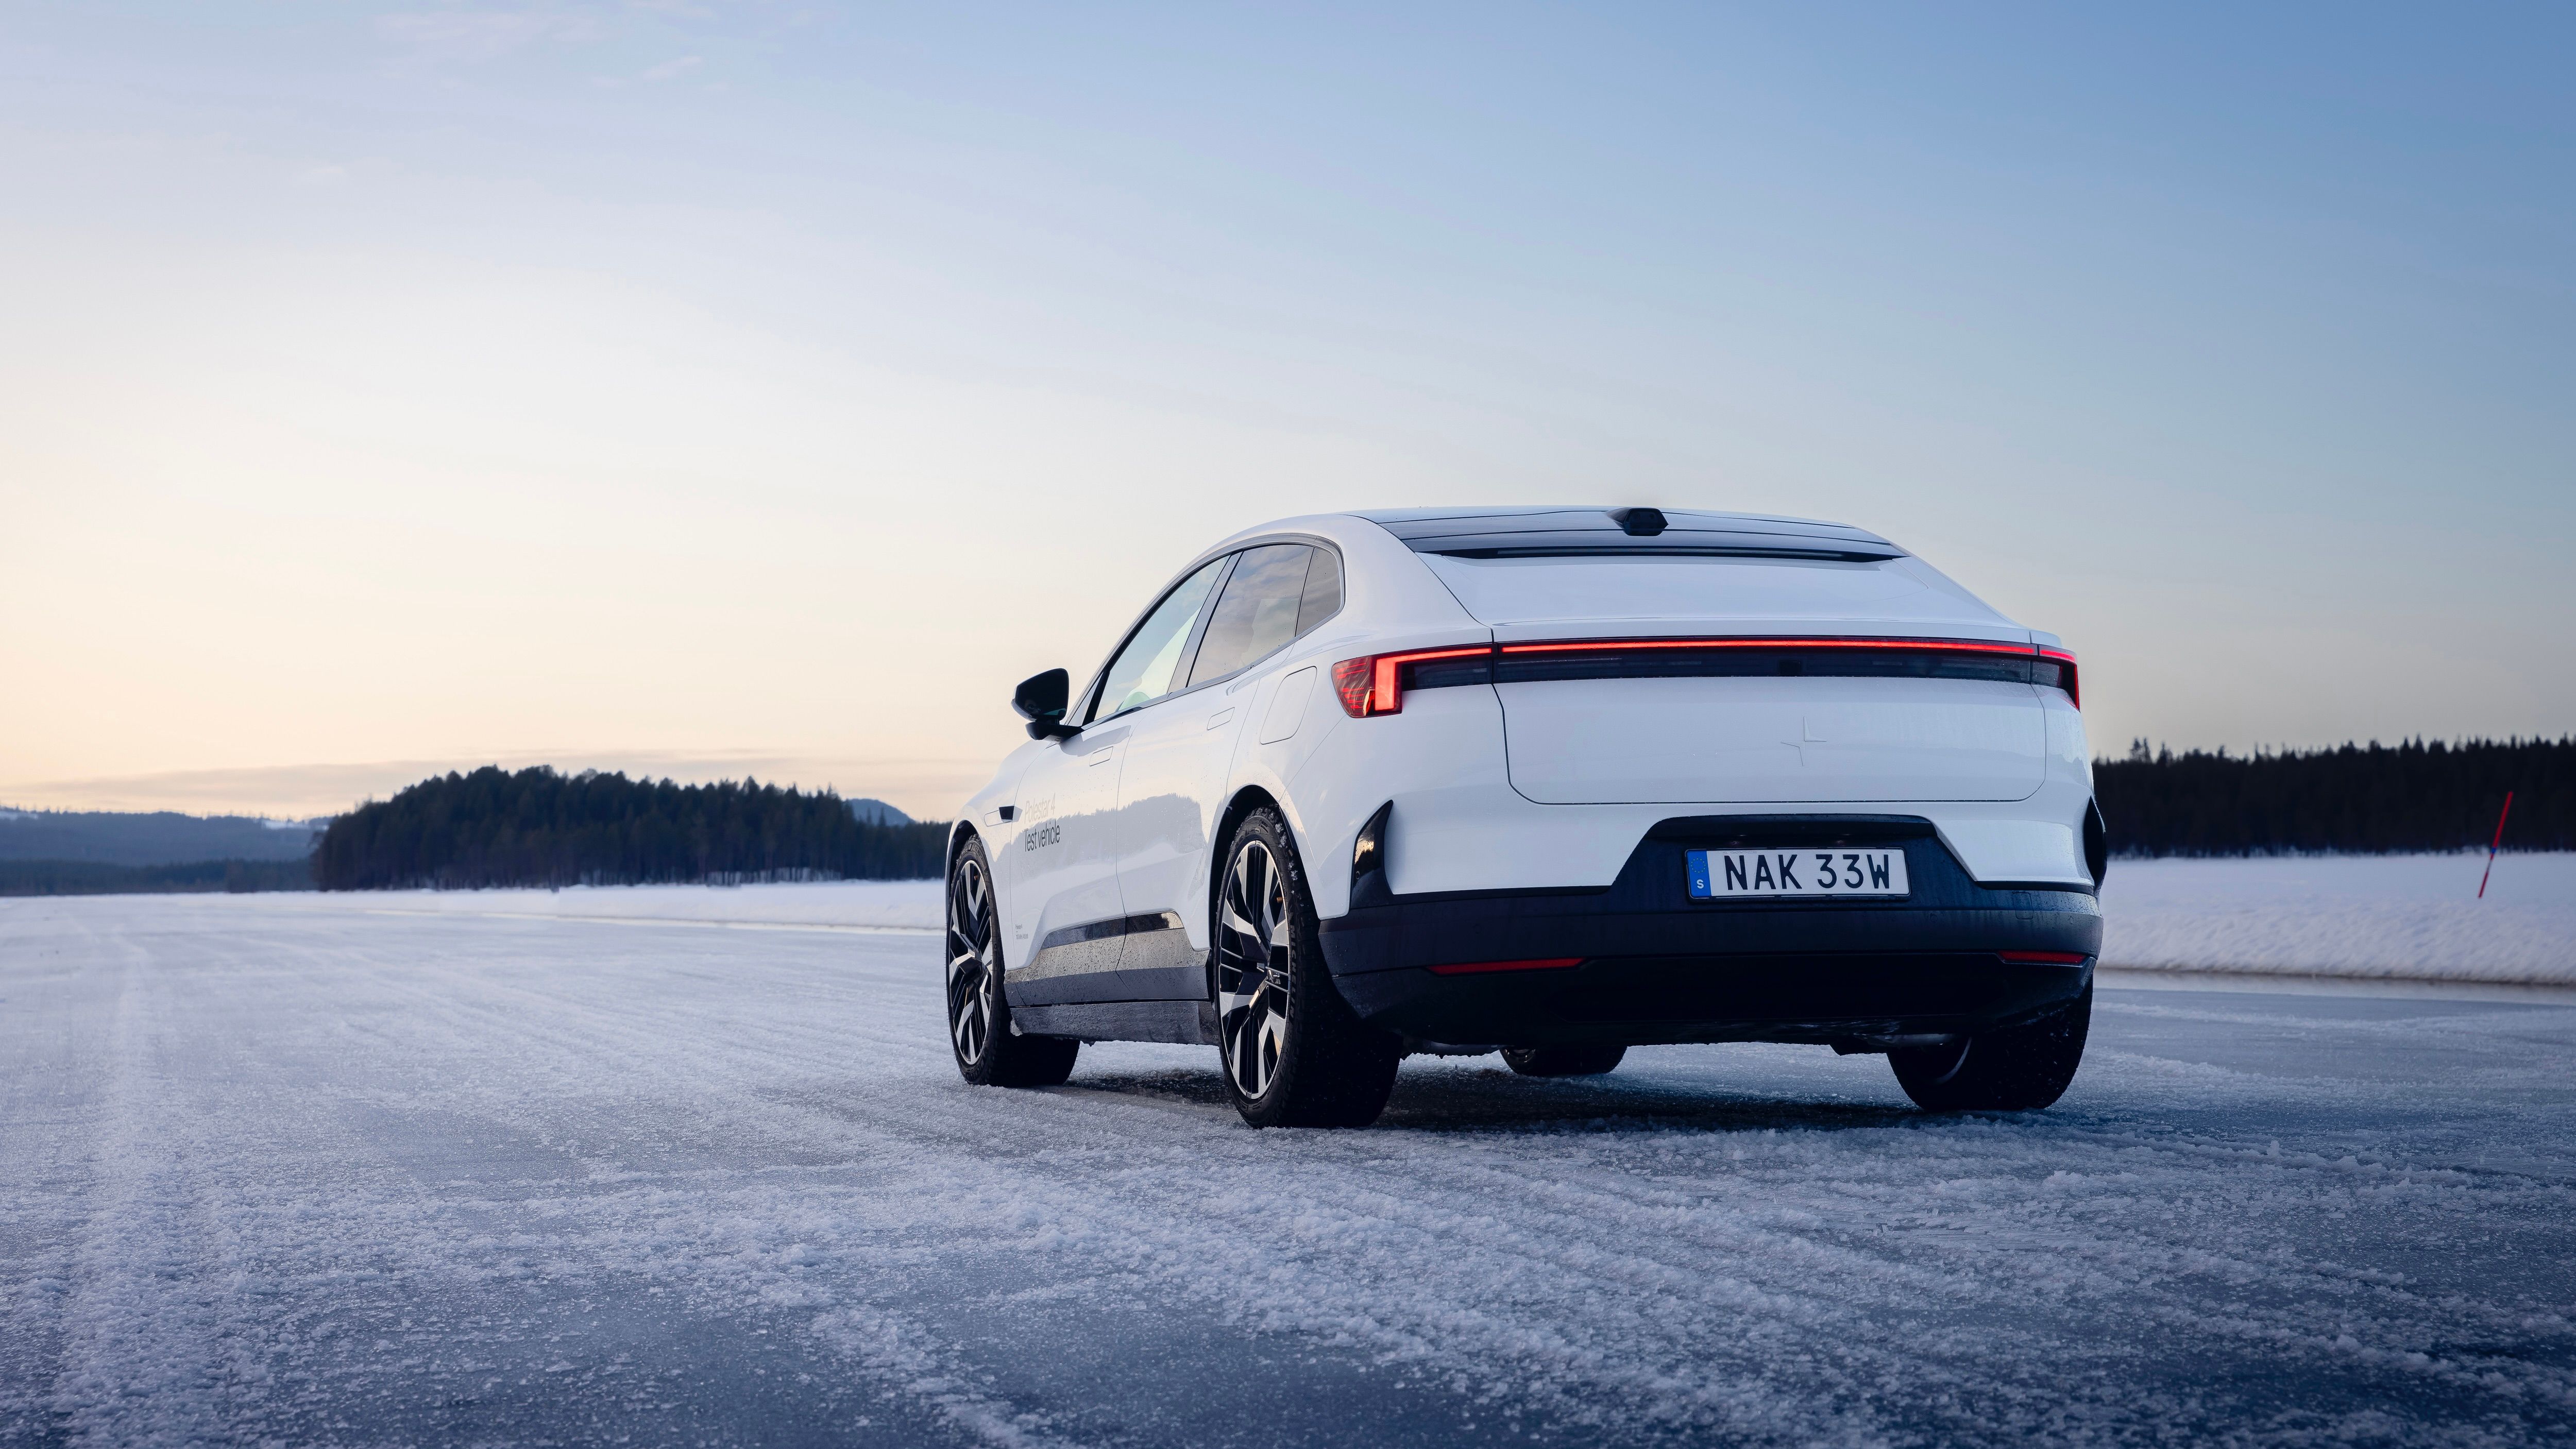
(1655,966)
(1860,1003)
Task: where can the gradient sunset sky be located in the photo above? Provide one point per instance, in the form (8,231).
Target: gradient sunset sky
(707,389)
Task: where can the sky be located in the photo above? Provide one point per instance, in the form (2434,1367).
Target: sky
(706,390)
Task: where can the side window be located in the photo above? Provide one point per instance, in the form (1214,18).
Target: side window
(1323,598)
(1142,672)
(1258,612)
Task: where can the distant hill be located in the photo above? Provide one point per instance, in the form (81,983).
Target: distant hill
(877,812)
(160,838)
(540,827)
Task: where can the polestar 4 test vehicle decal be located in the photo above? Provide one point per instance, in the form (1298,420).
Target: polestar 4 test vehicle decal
(1552,782)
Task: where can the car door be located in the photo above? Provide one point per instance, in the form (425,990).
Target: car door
(1062,868)
(1069,919)
(1180,754)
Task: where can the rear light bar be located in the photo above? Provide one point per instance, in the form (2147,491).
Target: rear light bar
(2066,677)
(2042,958)
(1936,646)
(1373,684)
(1475,968)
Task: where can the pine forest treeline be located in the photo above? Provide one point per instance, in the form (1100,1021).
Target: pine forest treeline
(104,878)
(2362,799)
(540,827)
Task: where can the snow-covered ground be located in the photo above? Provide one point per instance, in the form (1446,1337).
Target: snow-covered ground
(878,903)
(2408,916)
(279,1169)
(2403,916)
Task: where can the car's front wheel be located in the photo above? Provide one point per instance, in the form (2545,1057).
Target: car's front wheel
(2015,1069)
(989,1052)
(1294,1053)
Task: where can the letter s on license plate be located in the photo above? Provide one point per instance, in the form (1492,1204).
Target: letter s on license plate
(1717,875)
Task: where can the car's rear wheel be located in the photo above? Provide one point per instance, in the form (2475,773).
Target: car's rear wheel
(989,1053)
(1293,1052)
(1575,1061)
(2016,1069)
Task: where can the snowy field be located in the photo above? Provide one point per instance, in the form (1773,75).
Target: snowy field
(2409,916)
(857,903)
(372,1170)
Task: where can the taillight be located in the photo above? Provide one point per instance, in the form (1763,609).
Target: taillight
(1766,642)
(2043,958)
(1478,968)
(1351,680)
(1374,683)
(2065,674)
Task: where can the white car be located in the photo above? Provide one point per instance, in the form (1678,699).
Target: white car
(1548,781)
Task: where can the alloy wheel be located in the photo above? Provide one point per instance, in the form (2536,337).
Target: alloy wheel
(1252,983)
(973,971)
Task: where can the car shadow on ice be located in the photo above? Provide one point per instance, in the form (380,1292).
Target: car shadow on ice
(1456,1098)
(1484,1098)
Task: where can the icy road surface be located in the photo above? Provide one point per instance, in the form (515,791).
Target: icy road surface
(301,1171)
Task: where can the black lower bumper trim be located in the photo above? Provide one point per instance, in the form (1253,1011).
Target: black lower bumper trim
(1839,999)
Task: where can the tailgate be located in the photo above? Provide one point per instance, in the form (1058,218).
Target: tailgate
(1822,681)
(1747,740)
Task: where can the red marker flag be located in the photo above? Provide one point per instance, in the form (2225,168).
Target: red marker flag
(2492,845)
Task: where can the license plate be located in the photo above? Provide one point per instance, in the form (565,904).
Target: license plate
(1717,875)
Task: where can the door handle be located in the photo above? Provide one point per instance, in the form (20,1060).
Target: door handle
(1220,717)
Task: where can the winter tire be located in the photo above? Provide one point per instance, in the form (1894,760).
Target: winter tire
(2014,1069)
(989,1053)
(1575,1061)
(1292,1052)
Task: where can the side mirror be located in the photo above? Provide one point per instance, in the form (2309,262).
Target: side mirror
(1041,700)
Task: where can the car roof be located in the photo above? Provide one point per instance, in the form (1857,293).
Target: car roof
(1528,532)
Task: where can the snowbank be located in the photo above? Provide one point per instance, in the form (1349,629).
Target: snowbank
(2397,916)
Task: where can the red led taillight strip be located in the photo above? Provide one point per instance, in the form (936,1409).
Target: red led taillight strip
(1478,968)
(1373,684)
(1935,646)
(2043,958)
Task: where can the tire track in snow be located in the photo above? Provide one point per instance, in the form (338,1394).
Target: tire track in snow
(144,1360)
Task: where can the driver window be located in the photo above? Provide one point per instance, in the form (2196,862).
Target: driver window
(1143,671)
